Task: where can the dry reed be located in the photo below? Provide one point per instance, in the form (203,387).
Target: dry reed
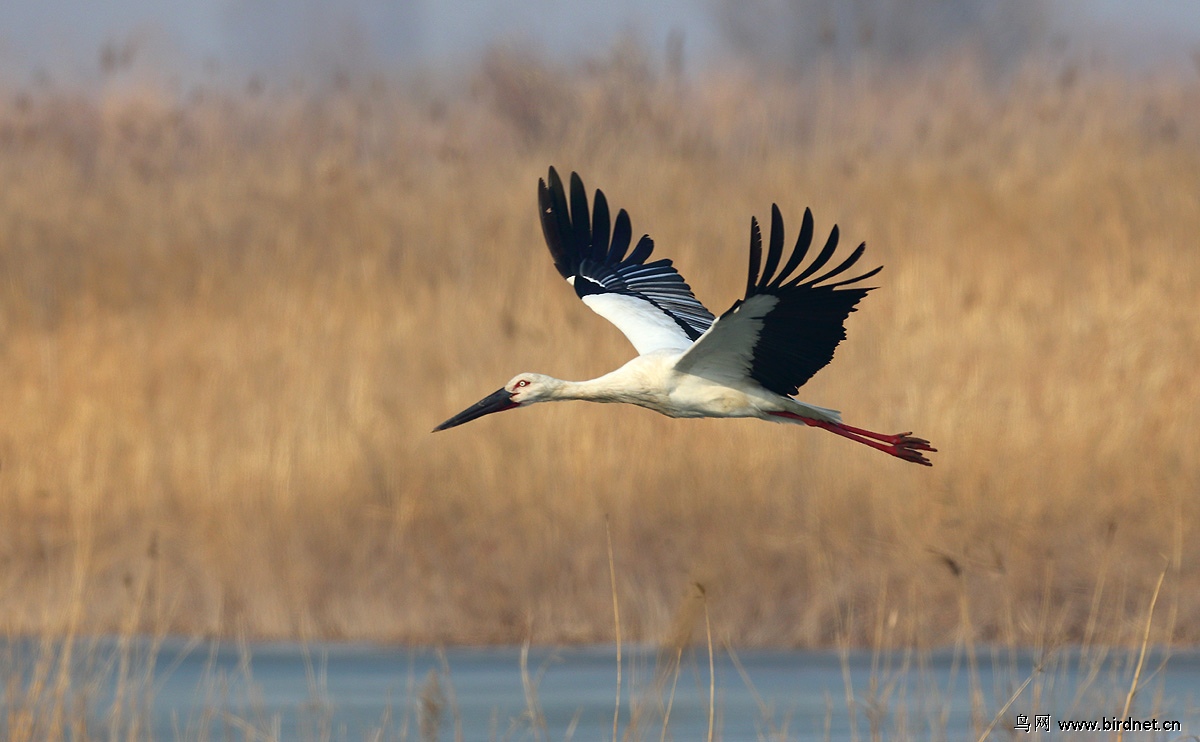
(228,323)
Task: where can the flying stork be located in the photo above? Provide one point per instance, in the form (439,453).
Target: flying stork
(749,362)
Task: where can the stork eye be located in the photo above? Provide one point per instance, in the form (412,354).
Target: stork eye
(522,383)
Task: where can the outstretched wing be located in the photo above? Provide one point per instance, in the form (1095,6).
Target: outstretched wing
(787,327)
(649,302)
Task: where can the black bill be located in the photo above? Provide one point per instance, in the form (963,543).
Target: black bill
(498,401)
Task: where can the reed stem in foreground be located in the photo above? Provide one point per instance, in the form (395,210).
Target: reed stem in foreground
(612,576)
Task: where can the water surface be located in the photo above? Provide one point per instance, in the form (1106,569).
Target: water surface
(201,690)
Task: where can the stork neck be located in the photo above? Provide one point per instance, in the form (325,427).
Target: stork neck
(588,390)
(607,388)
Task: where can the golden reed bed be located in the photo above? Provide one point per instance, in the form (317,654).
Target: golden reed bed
(228,323)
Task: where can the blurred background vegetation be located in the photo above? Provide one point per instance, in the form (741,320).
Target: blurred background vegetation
(230,312)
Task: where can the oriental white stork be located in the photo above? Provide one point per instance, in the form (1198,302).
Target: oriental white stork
(749,362)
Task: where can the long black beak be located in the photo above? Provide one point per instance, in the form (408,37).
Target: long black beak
(498,401)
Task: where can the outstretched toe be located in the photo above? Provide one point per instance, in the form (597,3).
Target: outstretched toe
(910,449)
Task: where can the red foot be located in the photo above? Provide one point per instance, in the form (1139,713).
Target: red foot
(900,445)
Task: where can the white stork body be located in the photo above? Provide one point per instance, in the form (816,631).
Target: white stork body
(652,381)
(747,363)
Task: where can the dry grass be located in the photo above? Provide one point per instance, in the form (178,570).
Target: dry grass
(228,324)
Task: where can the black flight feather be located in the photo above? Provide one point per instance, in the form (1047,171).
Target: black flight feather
(775,246)
(582,251)
(801,249)
(755,255)
(803,327)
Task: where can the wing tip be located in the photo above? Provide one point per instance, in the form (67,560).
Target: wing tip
(770,280)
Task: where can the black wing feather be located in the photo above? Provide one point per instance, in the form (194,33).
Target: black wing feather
(580,246)
(755,255)
(600,224)
(801,331)
(854,256)
(645,246)
(581,223)
(556,225)
(801,249)
(820,261)
(775,247)
(622,234)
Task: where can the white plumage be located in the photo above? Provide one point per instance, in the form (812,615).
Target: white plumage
(750,362)
(646,327)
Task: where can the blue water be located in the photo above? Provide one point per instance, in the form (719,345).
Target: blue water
(286,691)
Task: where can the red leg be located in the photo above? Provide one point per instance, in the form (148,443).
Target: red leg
(900,445)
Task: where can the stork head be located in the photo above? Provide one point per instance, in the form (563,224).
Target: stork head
(524,389)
